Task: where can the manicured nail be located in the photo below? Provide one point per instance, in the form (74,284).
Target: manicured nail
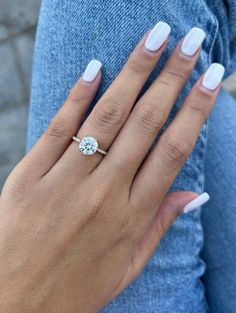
(192,41)
(157,36)
(213,76)
(92,70)
(196,203)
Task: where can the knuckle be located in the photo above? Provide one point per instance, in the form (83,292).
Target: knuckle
(60,127)
(149,118)
(175,151)
(109,114)
(173,76)
(20,183)
(95,207)
(75,98)
(164,82)
(16,189)
(136,67)
(161,229)
(177,75)
(78,94)
(199,105)
(125,227)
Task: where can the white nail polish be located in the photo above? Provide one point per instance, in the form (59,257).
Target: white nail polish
(193,41)
(196,203)
(92,70)
(157,36)
(213,76)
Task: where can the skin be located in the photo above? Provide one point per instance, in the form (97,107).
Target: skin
(76,230)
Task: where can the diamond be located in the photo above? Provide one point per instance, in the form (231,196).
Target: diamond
(88,145)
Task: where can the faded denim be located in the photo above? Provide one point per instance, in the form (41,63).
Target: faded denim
(70,34)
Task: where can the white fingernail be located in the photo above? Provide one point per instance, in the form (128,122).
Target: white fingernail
(157,36)
(193,41)
(92,70)
(196,203)
(213,76)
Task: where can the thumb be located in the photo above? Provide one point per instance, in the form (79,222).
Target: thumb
(173,205)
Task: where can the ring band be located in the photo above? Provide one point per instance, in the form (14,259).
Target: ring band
(88,145)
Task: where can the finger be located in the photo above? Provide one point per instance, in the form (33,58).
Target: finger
(152,110)
(149,236)
(177,142)
(110,113)
(65,124)
(171,207)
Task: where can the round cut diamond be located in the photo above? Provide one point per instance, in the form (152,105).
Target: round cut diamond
(88,145)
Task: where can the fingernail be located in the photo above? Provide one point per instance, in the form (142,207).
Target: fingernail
(213,76)
(92,70)
(157,36)
(196,203)
(193,41)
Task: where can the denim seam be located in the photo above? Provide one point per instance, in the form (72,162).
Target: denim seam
(214,30)
(210,46)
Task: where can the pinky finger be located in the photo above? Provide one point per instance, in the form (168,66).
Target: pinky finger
(57,137)
(173,205)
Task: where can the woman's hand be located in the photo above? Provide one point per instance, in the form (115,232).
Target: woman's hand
(75,230)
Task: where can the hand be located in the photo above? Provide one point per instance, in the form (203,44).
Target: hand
(75,230)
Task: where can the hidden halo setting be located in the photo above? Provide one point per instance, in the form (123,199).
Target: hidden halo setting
(88,145)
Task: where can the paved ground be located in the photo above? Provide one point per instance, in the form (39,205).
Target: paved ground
(17,32)
(18,20)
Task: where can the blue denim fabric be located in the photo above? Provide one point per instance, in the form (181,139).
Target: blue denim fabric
(70,34)
(219,216)
(224,11)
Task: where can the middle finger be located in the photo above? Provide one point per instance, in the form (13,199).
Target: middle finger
(152,110)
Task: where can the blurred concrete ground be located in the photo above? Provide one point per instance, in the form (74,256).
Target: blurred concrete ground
(18,20)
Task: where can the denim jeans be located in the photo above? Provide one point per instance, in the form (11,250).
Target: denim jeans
(219,216)
(70,34)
